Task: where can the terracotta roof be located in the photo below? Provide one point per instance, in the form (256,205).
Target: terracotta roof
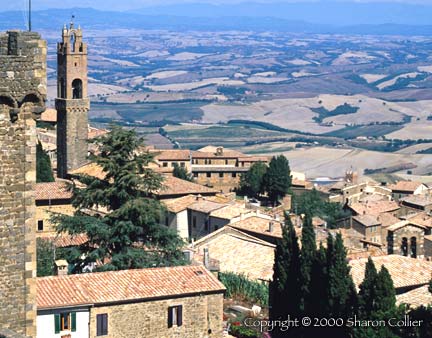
(253,159)
(52,191)
(422,201)
(90,169)
(176,205)
(63,241)
(176,186)
(259,225)
(387,219)
(127,285)
(421,218)
(210,152)
(416,297)
(173,155)
(405,271)
(405,186)
(96,132)
(374,208)
(402,224)
(49,115)
(367,220)
(239,252)
(204,206)
(230,211)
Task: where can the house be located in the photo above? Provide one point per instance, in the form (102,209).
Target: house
(406,238)
(369,226)
(238,252)
(415,298)
(261,226)
(182,302)
(416,203)
(374,208)
(405,188)
(407,273)
(172,157)
(51,198)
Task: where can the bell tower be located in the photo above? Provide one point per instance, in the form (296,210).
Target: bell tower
(72,103)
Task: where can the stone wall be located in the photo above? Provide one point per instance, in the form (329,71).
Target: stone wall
(22,97)
(202,318)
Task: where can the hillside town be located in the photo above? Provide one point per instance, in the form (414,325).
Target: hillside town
(102,234)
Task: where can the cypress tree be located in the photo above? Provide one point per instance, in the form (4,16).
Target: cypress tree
(367,290)
(385,295)
(43,165)
(284,289)
(318,303)
(307,257)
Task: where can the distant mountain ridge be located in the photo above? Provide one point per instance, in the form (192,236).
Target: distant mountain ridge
(52,19)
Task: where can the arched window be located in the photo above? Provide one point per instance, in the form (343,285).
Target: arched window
(77,90)
(413,247)
(72,42)
(31,98)
(7,101)
(404,246)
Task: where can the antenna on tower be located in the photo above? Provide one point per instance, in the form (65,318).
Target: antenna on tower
(29,17)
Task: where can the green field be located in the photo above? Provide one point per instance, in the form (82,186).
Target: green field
(375,130)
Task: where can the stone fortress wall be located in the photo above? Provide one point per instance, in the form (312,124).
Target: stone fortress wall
(23,88)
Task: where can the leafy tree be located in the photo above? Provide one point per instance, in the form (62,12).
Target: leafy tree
(277,179)
(129,235)
(307,258)
(284,290)
(313,203)
(182,173)
(45,257)
(44,171)
(251,183)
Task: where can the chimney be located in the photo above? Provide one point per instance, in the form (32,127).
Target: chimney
(61,267)
(271,226)
(206,259)
(199,197)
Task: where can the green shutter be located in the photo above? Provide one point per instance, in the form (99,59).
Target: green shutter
(73,321)
(57,323)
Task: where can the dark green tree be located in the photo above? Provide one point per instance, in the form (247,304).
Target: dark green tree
(284,289)
(45,257)
(367,290)
(182,173)
(129,235)
(44,171)
(277,179)
(251,182)
(307,258)
(385,295)
(318,302)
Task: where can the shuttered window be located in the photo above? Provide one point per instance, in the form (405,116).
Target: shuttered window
(65,321)
(102,324)
(175,316)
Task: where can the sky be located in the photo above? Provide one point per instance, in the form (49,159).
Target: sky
(131,4)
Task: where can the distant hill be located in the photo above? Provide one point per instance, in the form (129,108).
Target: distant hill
(149,18)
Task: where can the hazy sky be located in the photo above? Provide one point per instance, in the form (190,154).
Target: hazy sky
(131,4)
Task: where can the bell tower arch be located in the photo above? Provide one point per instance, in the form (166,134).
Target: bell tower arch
(72,102)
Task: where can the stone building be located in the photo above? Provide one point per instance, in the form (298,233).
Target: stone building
(23,88)
(407,239)
(182,302)
(72,103)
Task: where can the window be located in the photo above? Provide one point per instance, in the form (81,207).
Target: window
(40,225)
(221,175)
(208,175)
(65,321)
(404,246)
(226,162)
(234,175)
(173,164)
(102,324)
(165,164)
(77,89)
(413,247)
(182,164)
(195,174)
(175,316)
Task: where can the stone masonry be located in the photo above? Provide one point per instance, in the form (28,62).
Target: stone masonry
(22,97)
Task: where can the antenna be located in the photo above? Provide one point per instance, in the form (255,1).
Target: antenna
(72,21)
(30,12)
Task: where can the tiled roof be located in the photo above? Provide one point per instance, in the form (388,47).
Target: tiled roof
(367,220)
(96,132)
(230,211)
(176,186)
(210,168)
(259,225)
(405,186)
(402,224)
(422,201)
(127,285)
(387,219)
(405,271)
(253,159)
(374,208)
(421,218)
(239,252)
(416,297)
(176,205)
(90,169)
(202,205)
(52,191)
(173,155)
(49,115)
(63,241)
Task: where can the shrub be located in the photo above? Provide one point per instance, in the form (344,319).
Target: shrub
(241,286)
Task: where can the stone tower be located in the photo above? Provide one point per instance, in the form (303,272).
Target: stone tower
(22,98)
(71,103)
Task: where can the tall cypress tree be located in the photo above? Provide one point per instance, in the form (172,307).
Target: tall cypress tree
(307,257)
(385,295)
(367,290)
(43,165)
(284,290)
